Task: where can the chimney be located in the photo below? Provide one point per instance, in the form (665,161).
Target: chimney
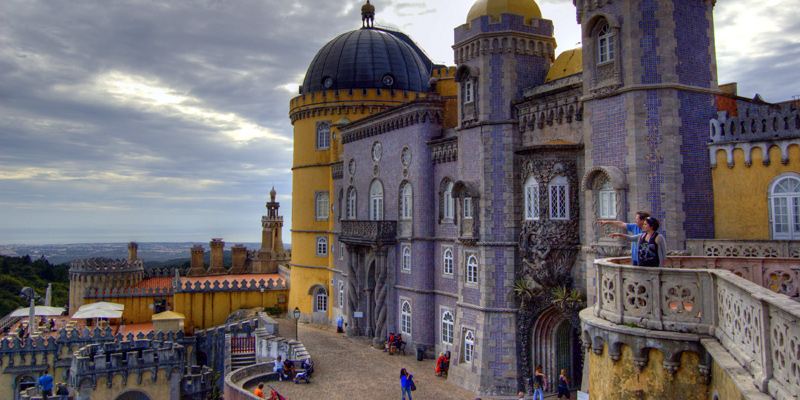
(238,259)
(217,252)
(133,249)
(197,264)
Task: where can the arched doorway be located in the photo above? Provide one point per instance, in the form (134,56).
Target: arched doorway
(24,382)
(555,346)
(133,395)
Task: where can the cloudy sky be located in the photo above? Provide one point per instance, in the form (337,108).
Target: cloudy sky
(167,120)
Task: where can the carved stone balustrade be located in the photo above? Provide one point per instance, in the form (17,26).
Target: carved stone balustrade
(732,300)
(368,232)
(744,248)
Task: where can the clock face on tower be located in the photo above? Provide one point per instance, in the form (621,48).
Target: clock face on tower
(377,151)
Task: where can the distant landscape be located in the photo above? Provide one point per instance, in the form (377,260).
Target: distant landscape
(152,253)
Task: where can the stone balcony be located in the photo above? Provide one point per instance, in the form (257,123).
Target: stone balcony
(368,233)
(744,248)
(735,309)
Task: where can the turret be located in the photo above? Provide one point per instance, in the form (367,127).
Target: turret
(133,248)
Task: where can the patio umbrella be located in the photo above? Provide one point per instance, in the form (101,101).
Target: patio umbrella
(98,313)
(39,311)
(102,305)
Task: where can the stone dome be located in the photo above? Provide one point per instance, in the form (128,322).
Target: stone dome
(369,58)
(495,8)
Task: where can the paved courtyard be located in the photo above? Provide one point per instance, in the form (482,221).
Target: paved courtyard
(347,368)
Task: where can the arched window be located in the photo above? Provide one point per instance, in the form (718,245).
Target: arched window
(320,300)
(785,206)
(322,246)
(607,201)
(469,345)
(531,199)
(469,91)
(448,323)
(376,201)
(559,198)
(405,317)
(472,269)
(341,294)
(406,263)
(447,199)
(447,261)
(323,135)
(406,201)
(605,44)
(322,205)
(351,203)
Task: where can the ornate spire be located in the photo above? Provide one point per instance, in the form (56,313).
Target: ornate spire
(367,15)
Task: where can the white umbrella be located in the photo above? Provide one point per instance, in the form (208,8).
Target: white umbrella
(39,311)
(98,313)
(102,305)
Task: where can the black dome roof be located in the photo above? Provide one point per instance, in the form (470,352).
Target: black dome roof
(369,58)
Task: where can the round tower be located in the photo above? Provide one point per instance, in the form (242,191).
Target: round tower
(101,274)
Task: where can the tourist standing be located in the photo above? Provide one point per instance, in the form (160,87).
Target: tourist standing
(563,385)
(539,380)
(651,245)
(632,229)
(406,383)
(278,368)
(46,385)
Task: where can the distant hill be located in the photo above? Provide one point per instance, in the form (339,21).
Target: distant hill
(148,251)
(18,272)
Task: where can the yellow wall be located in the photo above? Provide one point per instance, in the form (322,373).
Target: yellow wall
(205,310)
(8,381)
(137,309)
(622,380)
(158,390)
(741,209)
(723,385)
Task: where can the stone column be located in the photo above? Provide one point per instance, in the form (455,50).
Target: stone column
(380,297)
(197,264)
(352,290)
(217,252)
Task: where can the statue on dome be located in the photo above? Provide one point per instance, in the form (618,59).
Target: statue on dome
(367,15)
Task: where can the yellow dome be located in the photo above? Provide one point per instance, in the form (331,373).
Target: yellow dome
(567,63)
(495,8)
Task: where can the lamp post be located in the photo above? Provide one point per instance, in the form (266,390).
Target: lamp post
(296,314)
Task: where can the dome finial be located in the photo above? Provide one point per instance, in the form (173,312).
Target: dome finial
(367,15)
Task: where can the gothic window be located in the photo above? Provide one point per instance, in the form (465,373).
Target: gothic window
(469,345)
(320,300)
(469,91)
(472,269)
(467,207)
(406,201)
(376,201)
(323,136)
(605,44)
(785,206)
(351,203)
(406,262)
(531,199)
(341,294)
(405,317)
(607,201)
(448,323)
(449,202)
(559,198)
(322,205)
(322,246)
(447,261)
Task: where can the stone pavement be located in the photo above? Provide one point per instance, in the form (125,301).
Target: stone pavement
(350,369)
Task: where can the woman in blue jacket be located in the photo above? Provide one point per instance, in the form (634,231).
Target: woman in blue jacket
(405,383)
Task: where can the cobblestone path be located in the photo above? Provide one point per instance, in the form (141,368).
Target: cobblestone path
(347,368)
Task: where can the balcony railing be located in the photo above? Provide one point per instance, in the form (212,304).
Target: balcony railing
(368,232)
(720,297)
(744,248)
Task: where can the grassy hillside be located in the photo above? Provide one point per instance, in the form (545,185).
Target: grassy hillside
(18,272)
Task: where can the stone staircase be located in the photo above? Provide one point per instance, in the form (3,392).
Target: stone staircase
(239,360)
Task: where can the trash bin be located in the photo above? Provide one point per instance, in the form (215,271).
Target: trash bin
(420,353)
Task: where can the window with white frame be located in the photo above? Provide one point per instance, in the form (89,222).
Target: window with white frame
(322,205)
(323,136)
(405,317)
(472,269)
(447,261)
(406,201)
(785,207)
(469,345)
(607,201)
(605,44)
(447,198)
(322,246)
(341,294)
(467,207)
(559,198)
(469,91)
(448,323)
(376,201)
(531,191)
(321,300)
(406,262)
(351,203)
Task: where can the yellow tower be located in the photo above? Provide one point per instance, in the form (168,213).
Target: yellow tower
(357,74)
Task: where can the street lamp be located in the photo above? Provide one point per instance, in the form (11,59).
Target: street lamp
(296,314)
